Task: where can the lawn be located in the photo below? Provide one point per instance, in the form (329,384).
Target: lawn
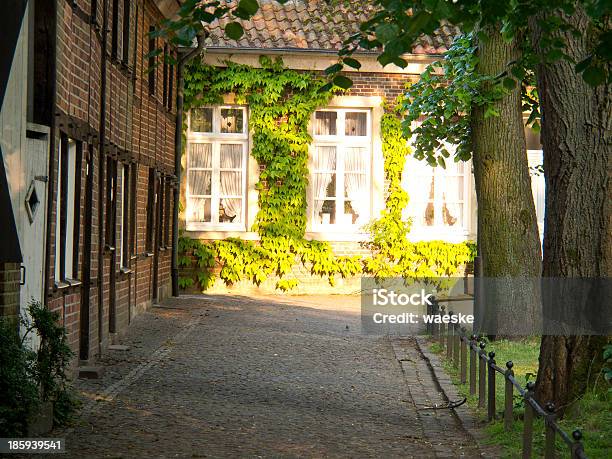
(592,414)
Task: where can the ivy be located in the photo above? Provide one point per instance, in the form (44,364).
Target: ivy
(281,103)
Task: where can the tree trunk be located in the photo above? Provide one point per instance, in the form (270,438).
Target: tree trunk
(577,237)
(508,240)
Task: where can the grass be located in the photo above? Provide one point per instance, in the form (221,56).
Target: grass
(592,414)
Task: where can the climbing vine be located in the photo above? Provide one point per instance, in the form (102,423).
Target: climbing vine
(281,102)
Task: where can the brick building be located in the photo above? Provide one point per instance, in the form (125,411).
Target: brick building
(307,36)
(88,146)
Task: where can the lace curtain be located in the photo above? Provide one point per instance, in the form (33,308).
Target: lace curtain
(231,181)
(355,182)
(199,180)
(324,160)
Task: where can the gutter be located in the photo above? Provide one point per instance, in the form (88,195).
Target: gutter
(51,169)
(178,150)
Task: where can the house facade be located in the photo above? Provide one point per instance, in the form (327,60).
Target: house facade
(87,137)
(347,187)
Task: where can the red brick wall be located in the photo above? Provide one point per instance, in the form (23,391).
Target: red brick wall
(138,129)
(9,289)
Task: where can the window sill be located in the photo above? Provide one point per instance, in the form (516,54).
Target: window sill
(125,271)
(66,283)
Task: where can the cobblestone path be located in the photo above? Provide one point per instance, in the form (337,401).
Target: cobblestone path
(229,376)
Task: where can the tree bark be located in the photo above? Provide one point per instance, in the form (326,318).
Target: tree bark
(508,239)
(577,169)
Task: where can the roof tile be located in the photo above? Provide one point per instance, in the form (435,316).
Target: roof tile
(312,24)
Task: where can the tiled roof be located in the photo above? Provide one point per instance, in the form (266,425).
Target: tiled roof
(312,25)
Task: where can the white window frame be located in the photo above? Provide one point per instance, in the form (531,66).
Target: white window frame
(70,210)
(340,141)
(216,139)
(439,230)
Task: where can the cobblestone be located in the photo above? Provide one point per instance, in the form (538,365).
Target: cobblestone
(229,376)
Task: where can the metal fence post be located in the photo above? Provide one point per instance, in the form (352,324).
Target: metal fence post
(472,365)
(482,374)
(577,449)
(442,328)
(491,398)
(463,339)
(549,445)
(456,339)
(508,396)
(528,422)
(449,338)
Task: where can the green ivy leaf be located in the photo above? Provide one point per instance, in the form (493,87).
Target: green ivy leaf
(594,76)
(342,82)
(234,30)
(509,83)
(333,69)
(354,63)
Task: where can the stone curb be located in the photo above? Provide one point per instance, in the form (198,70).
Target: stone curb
(465,414)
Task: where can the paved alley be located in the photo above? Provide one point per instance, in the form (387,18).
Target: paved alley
(229,376)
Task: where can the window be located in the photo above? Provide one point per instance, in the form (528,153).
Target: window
(160,211)
(125,190)
(165,78)
(167,213)
(216,167)
(67,210)
(115,30)
(151,200)
(170,87)
(94,11)
(133,196)
(340,170)
(111,203)
(437,195)
(152,60)
(126,31)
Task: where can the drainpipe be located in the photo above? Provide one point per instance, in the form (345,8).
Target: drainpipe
(101,173)
(178,150)
(52,88)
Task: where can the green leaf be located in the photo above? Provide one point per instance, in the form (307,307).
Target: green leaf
(234,30)
(248,6)
(333,69)
(509,83)
(354,63)
(342,82)
(594,76)
(583,64)
(386,31)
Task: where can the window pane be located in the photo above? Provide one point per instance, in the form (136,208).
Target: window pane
(325,212)
(200,155)
(202,119)
(451,187)
(199,182)
(325,158)
(452,214)
(230,210)
(325,123)
(198,210)
(231,156)
(355,159)
(232,120)
(356,123)
(231,183)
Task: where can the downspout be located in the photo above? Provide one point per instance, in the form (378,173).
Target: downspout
(101,178)
(52,152)
(178,150)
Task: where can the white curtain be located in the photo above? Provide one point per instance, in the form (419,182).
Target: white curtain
(231,181)
(417,183)
(356,124)
(355,183)
(325,123)
(199,180)
(324,160)
(449,188)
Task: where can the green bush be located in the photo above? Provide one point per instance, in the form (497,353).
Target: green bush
(29,377)
(19,394)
